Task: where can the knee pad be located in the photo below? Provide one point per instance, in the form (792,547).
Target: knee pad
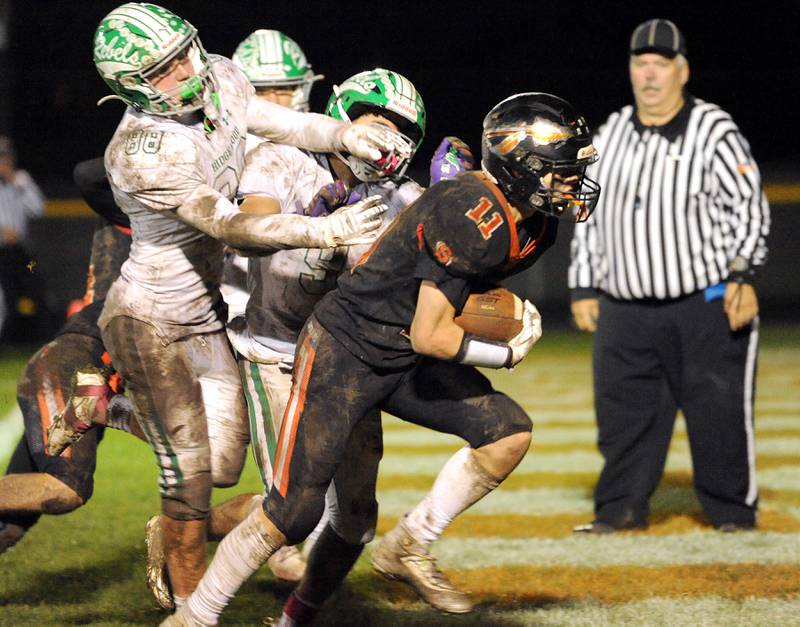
(228,427)
(227,460)
(355,524)
(508,418)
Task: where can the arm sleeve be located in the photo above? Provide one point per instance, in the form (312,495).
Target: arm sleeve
(745,204)
(311,131)
(31,198)
(90,179)
(212,213)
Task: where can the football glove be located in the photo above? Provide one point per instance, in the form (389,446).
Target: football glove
(531,331)
(372,142)
(329,198)
(354,224)
(452,157)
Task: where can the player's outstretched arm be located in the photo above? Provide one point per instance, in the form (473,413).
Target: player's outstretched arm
(212,213)
(319,133)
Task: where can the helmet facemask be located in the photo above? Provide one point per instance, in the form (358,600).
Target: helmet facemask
(390,166)
(189,95)
(537,148)
(524,179)
(389,95)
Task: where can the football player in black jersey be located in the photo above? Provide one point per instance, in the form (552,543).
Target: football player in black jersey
(36,483)
(386,339)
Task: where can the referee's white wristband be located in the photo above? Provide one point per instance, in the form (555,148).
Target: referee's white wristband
(478,351)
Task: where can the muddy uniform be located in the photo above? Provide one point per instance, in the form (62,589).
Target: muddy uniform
(46,381)
(286,285)
(163,319)
(354,355)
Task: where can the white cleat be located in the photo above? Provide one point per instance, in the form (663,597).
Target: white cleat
(156,564)
(399,556)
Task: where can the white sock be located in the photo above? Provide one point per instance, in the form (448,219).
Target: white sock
(314,535)
(461,483)
(178,601)
(241,553)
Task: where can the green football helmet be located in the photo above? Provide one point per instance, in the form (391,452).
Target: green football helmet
(271,59)
(136,42)
(392,96)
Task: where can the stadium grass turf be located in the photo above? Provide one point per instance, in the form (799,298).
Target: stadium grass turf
(88,567)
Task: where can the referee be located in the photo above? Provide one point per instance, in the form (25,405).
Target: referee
(664,273)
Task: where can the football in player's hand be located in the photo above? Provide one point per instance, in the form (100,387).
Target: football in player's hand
(495,314)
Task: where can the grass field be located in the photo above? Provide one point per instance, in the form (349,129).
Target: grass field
(514,550)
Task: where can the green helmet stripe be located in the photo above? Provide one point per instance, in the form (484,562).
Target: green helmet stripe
(144,19)
(269,48)
(381,89)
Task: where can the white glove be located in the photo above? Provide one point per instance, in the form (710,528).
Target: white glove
(531,331)
(371,141)
(354,224)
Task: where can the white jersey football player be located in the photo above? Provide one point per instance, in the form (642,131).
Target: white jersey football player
(278,70)
(174,165)
(286,285)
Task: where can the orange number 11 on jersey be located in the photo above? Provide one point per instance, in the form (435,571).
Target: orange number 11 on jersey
(478,214)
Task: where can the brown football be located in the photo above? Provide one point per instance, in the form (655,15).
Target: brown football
(495,314)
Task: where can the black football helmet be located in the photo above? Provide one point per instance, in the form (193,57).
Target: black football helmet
(528,136)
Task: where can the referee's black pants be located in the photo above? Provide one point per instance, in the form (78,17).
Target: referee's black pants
(651,358)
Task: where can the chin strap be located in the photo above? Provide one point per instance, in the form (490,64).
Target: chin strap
(108,98)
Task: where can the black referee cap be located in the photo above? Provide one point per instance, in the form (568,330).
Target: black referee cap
(660,36)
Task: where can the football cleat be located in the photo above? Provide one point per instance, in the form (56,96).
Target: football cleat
(399,556)
(85,407)
(156,564)
(287,563)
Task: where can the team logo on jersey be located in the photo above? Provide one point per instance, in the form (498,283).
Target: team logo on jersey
(443,253)
(487,224)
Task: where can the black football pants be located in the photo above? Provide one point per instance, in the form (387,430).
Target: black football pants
(334,395)
(651,358)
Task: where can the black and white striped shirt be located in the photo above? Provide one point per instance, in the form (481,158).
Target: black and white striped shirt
(678,204)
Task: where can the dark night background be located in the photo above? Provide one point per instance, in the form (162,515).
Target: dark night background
(463,57)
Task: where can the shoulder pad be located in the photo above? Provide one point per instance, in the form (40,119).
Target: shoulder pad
(231,76)
(465,229)
(158,168)
(147,158)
